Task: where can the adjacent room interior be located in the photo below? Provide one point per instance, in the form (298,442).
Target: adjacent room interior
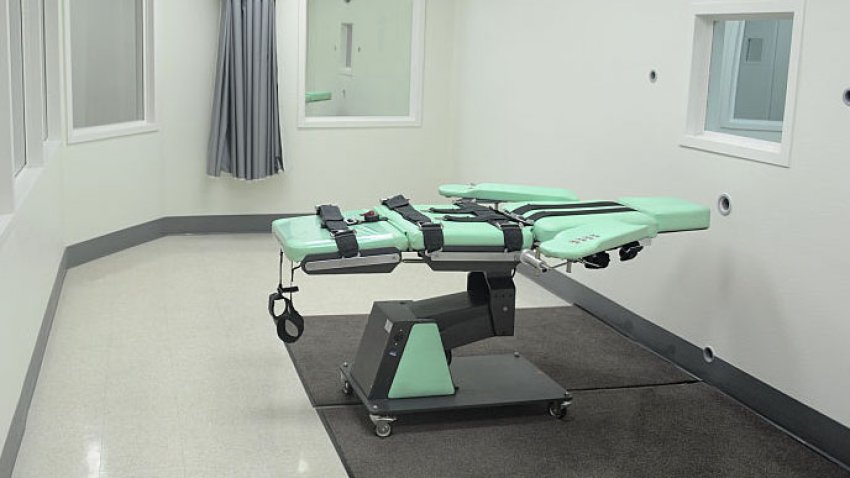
(424,238)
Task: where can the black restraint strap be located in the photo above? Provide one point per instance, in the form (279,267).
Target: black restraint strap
(513,235)
(334,222)
(511,230)
(573,205)
(588,212)
(432,232)
(464,206)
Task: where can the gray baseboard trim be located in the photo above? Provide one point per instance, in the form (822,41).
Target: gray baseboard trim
(86,251)
(804,423)
(232,224)
(96,248)
(19,420)
(117,241)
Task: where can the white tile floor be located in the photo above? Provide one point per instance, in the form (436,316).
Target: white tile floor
(163,362)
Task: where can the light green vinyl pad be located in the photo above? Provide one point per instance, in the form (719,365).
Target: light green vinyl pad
(422,370)
(671,214)
(576,236)
(594,229)
(302,236)
(314,96)
(582,241)
(506,192)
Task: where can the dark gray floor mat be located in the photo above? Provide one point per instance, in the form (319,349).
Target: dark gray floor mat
(571,346)
(685,430)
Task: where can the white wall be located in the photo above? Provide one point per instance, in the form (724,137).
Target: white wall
(30,250)
(352,167)
(557,93)
(31,246)
(117,183)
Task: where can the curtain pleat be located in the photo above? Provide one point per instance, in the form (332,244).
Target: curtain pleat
(245,134)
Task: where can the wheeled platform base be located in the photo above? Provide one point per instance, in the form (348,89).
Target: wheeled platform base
(480,382)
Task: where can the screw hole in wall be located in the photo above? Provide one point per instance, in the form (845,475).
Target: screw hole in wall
(653,76)
(724,204)
(708,354)
(847,97)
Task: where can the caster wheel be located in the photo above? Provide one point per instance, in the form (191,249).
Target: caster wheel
(558,409)
(383,429)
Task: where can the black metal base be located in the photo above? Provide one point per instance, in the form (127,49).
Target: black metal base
(485,310)
(480,382)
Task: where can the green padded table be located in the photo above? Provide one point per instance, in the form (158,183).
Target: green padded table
(404,362)
(592,229)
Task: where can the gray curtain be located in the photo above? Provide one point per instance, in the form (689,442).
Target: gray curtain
(245,137)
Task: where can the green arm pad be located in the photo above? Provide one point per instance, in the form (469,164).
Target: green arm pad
(313,96)
(578,242)
(506,192)
(671,214)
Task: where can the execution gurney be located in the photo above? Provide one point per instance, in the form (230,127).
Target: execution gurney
(404,361)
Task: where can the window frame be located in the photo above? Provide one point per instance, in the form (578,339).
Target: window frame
(417,75)
(95,133)
(18,56)
(7,174)
(39,64)
(705,13)
(35,61)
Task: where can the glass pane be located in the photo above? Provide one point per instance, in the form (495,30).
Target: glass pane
(107,61)
(748,77)
(358,57)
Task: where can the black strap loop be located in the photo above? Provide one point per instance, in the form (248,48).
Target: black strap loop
(289,315)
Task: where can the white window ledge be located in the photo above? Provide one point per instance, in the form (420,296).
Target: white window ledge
(97,133)
(740,147)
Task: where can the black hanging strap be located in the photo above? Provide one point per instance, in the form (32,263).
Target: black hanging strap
(333,221)
(573,205)
(289,314)
(432,232)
